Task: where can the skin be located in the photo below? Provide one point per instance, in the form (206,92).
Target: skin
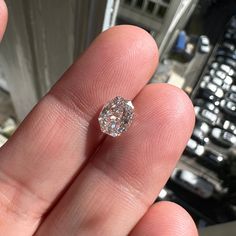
(59,175)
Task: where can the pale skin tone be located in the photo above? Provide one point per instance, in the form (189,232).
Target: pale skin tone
(59,175)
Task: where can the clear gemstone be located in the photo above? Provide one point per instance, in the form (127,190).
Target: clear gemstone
(116,116)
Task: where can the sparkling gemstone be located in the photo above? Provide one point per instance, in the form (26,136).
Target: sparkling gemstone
(116,116)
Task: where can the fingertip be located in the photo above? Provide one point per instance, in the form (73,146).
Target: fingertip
(133,40)
(171,106)
(182,106)
(134,33)
(3,18)
(175,215)
(166,218)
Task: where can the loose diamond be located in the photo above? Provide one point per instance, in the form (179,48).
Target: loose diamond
(116,116)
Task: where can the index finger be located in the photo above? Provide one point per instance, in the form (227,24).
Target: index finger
(62,131)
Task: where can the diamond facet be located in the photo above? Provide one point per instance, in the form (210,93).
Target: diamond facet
(116,116)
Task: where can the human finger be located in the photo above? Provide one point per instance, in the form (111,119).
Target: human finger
(122,180)
(3,18)
(61,133)
(167,219)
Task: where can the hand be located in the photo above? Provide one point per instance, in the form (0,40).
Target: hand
(59,175)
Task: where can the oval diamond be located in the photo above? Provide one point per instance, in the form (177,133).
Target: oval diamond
(116,116)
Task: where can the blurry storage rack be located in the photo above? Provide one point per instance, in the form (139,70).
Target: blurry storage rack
(161,18)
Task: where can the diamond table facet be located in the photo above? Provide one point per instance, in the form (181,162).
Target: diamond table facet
(116,116)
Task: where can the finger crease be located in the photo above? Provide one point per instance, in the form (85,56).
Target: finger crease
(14,196)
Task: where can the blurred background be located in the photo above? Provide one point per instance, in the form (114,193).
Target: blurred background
(197,45)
